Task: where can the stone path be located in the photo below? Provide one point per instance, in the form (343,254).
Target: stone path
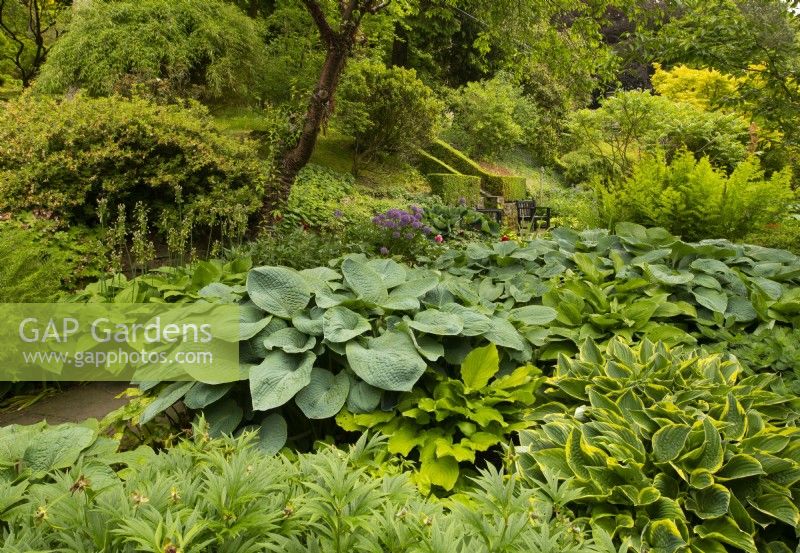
(75,404)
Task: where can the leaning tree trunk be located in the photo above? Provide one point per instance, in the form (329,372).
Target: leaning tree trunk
(319,109)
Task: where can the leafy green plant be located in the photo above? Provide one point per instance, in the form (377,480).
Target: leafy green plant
(72,156)
(606,143)
(675,451)
(181,48)
(692,199)
(227,496)
(459,222)
(388,110)
(448,421)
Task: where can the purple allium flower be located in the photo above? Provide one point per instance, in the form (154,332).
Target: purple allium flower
(427,230)
(384,250)
(396,234)
(410,235)
(338,213)
(416,225)
(462,201)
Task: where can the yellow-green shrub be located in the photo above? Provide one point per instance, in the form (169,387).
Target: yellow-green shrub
(693,199)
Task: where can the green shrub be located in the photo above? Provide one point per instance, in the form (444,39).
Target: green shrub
(454,188)
(231,496)
(695,200)
(491,117)
(68,156)
(606,143)
(784,235)
(388,110)
(210,50)
(39,261)
(459,222)
(673,452)
(509,187)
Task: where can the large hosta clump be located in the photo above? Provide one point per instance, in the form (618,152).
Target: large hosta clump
(675,451)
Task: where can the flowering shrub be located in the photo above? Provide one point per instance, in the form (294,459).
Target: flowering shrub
(403,232)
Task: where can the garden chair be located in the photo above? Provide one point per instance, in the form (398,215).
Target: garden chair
(533,216)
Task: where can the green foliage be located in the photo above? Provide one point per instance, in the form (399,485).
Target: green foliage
(674,451)
(696,201)
(459,222)
(388,110)
(226,495)
(69,156)
(774,351)
(784,235)
(448,420)
(454,188)
(491,117)
(209,50)
(606,143)
(39,260)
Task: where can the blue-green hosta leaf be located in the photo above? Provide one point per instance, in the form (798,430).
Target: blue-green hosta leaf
(202,395)
(741,309)
(480,365)
(364,281)
(669,441)
(57,447)
(778,507)
(223,417)
(415,288)
(252,320)
(388,362)
(534,315)
(428,347)
(710,266)
(711,299)
(711,502)
(391,272)
(362,398)
(475,323)
(309,322)
(439,323)
(662,274)
(290,340)
(278,378)
(341,324)
(277,290)
(168,397)
(773,290)
(325,395)
(504,334)
(725,530)
(273,434)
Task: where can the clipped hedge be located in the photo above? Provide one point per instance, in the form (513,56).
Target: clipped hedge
(453,188)
(509,187)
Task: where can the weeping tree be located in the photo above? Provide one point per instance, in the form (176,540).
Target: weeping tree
(338,31)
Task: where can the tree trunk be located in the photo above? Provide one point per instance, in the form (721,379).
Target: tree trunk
(319,109)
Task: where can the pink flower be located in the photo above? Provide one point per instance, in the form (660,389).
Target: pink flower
(439,239)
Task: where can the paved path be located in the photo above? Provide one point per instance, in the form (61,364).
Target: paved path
(76,404)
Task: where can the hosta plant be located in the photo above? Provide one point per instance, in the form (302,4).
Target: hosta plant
(675,451)
(450,420)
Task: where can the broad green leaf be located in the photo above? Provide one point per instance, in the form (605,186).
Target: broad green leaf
(480,365)
(439,323)
(711,502)
(533,315)
(475,323)
(725,530)
(290,340)
(272,434)
(669,441)
(662,274)
(202,395)
(736,417)
(251,320)
(166,399)
(778,507)
(740,466)
(391,272)
(57,447)
(340,324)
(277,290)
(278,378)
(713,452)
(362,398)
(664,536)
(364,281)
(325,395)
(440,471)
(711,299)
(223,417)
(581,455)
(388,362)
(503,333)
